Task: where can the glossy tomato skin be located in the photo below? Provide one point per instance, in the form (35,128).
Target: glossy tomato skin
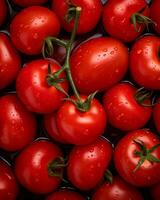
(94,64)
(8,184)
(90,10)
(10,61)
(50,125)
(38,96)
(3,11)
(118,189)
(87,163)
(125,159)
(145,62)
(31,26)
(31,167)
(117,18)
(17,125)
(156,115)
(155,192)
(123,111)
(154,13)
(26,3)
(65,195)
(78,127)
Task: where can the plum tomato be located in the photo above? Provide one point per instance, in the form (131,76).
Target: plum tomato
(34,90)
(87,163)
(10,61)
(155,191)
(34,167)
(154,14)
(26,3)
(137,156)
(123,110)
(156,115)
(18,126)
(98,64)
(3,11)
(31,26)
(89,17)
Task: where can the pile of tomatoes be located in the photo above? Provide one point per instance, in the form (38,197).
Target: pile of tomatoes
(79,100)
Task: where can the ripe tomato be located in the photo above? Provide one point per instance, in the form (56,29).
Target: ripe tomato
(123,111)
(87,163)
(155,192)
(8,185)
(10,62)
(118,190)
(90,10)
(31,26)
(65,195)
(31,167)
(3,11)
(145,62)
(26,3)
(94,64)
(17,125)
(128,154)
(156,115)
(51,127)
(78,127)
(154,13)
(38,95)
(117,18)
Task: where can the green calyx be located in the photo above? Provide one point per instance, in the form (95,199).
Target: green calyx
(145,154)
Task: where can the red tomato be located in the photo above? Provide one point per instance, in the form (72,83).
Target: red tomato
(156,115)
(78,127)
(155,192)
(10,62)
(123,111)
(31,167)
(87,163)
(17,125)
(26,3)
(90,10)
(145,62)
(8,185)
(51,127)
(117,18)
(94,64)
(118,190)
(65,195)
(3,11)
(38,95)
(154,13)
(31,26)
(126,158)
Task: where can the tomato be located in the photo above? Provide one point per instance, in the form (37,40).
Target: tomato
(128,154)
(8,184)
(3,11)
(145,62)
(94,64)
(17,125)
(118,189)
(117,18)
(38,95)
(156,115)
(31,167)
(155,192)
(78,127)
(65,195)
(87,163)
(26,3)
(154,13)
(31,26)
(10,61)
(51,127)
(90,10)
(123,110)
